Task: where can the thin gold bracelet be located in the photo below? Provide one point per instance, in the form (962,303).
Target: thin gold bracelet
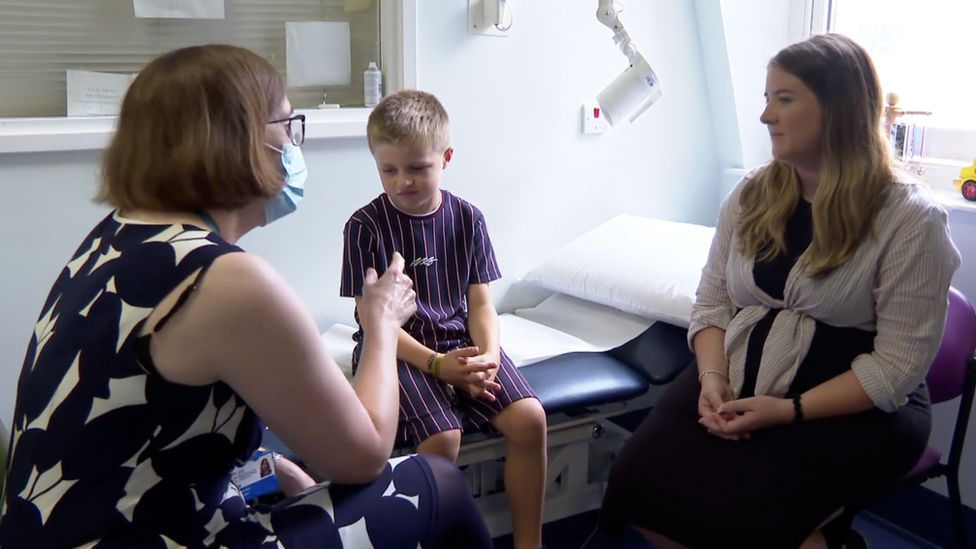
(706,372)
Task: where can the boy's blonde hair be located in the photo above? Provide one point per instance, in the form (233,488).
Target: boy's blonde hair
(409,117)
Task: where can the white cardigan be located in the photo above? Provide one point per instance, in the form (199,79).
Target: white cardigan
(896,283)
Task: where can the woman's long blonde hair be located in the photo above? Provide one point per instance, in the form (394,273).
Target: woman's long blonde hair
(855,166)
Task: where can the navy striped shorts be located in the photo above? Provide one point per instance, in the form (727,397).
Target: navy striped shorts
(429,406)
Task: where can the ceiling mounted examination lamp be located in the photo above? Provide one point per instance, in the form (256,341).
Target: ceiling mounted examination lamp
(637,88)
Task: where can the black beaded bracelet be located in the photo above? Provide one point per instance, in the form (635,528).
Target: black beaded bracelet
(797,409)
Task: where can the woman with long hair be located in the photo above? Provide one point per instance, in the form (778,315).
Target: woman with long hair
(818,314)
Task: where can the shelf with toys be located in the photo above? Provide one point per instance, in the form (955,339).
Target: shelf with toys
(966,182)
(941,157)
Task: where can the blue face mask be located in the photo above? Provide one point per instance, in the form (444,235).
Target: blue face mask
(292,193)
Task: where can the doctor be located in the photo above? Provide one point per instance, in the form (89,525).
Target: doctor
(163,350)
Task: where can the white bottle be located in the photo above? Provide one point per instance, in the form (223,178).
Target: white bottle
(372,85)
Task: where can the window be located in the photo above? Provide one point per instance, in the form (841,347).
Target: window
(923,51)
(42,39)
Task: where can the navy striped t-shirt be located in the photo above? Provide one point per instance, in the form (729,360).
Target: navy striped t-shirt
(445,251)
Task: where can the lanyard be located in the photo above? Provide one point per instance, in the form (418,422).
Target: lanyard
(208,220)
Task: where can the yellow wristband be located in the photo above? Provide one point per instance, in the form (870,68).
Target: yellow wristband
(437,365)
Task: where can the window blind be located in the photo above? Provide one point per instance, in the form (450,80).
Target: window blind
(42,39)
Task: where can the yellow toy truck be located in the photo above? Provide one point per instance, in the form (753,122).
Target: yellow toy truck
(966,182)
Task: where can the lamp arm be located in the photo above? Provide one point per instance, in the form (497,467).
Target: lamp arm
(607,14)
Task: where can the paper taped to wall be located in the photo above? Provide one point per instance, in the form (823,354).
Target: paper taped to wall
(96,93)
(357,5)
(318,53)
(179,9)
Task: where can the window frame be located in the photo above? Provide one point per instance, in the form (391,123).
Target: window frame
(398,25)
(817,16)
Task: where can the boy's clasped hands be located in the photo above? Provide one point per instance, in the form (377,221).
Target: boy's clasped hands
(467,369)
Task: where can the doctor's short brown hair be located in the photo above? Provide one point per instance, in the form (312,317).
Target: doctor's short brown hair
(191,133)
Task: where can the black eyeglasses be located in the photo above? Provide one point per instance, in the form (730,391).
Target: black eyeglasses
(295,128)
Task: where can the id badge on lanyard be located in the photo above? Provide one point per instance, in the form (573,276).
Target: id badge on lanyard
(256,476)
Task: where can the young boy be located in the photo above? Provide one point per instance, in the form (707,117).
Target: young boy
(450,361)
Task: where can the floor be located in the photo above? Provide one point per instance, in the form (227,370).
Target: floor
(573,532)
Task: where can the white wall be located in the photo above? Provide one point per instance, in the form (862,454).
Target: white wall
(718,73)
(738,38)
(519,154)
(751,44)
(515,107)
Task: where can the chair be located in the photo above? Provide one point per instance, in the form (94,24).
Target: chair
(952,375)
(3,455)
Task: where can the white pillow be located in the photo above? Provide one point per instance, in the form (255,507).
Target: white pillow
(642,266)
(338,340)
(599,325)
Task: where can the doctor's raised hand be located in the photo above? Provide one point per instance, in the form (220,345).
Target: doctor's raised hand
(389,297)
